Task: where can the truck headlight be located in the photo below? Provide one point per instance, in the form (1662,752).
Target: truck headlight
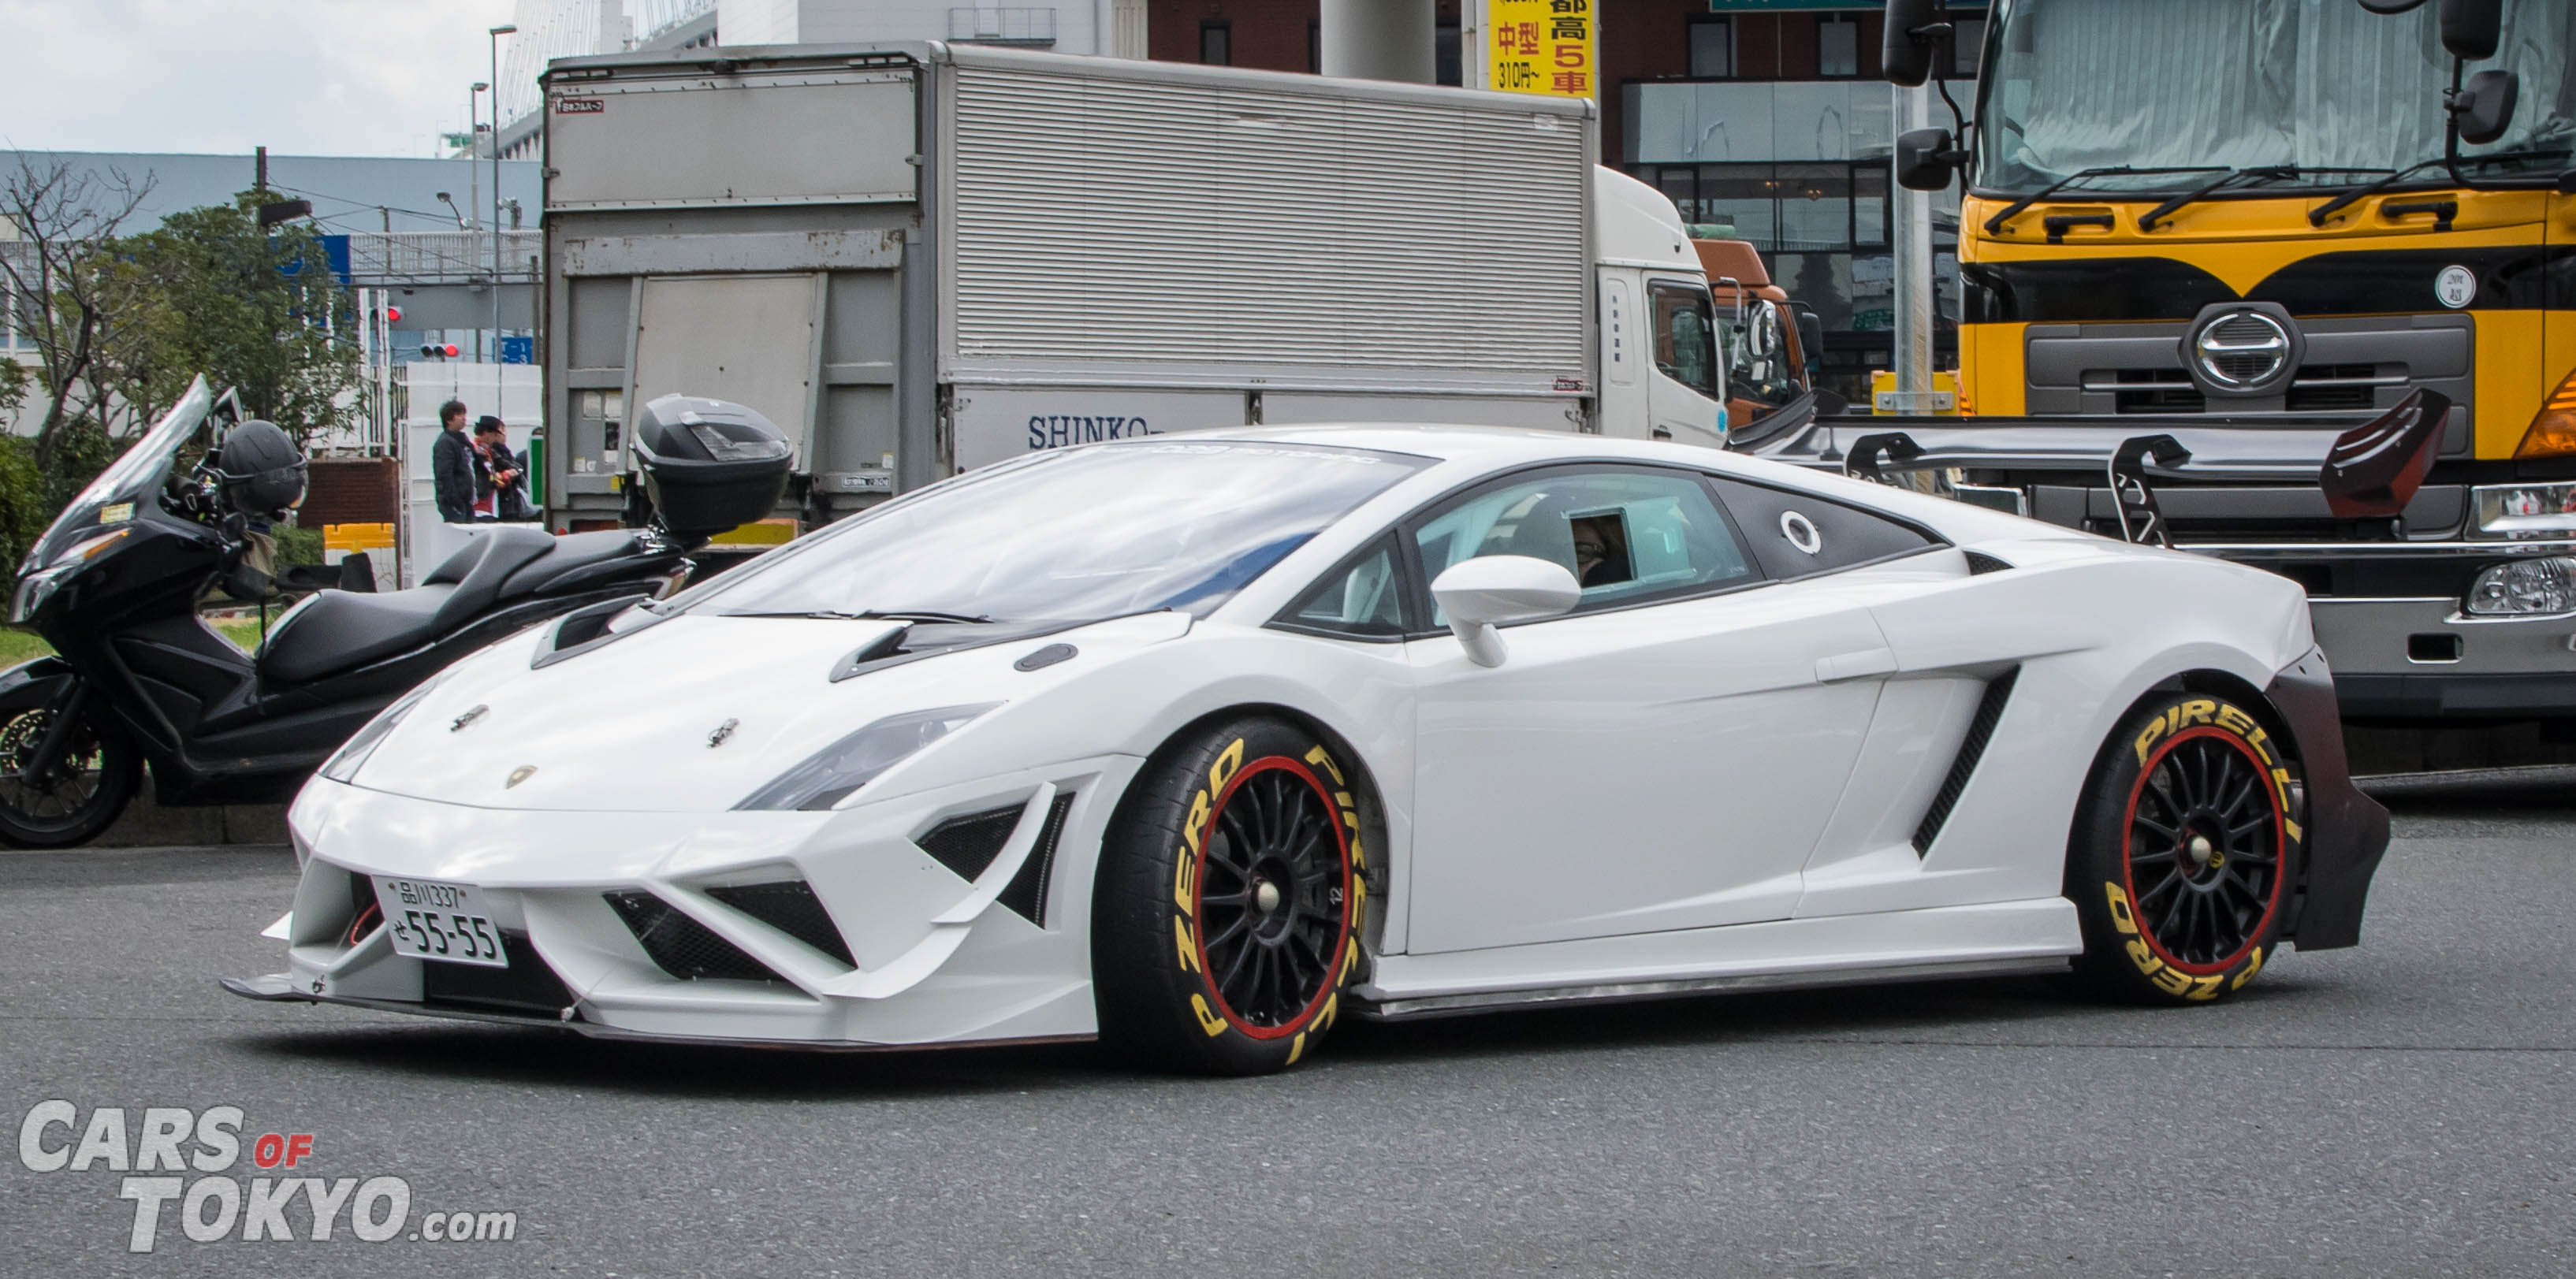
(854,761)
(2524,588)
(2524,510)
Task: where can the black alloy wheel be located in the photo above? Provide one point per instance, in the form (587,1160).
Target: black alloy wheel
(1270,896)
(69,798)
(2204,851)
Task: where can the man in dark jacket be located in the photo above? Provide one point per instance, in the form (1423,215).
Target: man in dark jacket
(451,466)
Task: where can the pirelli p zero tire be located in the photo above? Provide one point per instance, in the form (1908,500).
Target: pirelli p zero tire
(2184,851)
(1225,916)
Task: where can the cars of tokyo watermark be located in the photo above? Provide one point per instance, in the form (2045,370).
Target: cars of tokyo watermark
(182,1167)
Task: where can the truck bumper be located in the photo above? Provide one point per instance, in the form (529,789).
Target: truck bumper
(2420,659)
(2347,831)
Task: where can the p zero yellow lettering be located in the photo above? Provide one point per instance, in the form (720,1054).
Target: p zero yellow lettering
(2122,918)
(1208,1020)
(1228,762)
(2172,981)
(2250,970)
(1196,822)
(1188,943)
(2204,988)
(1185,886)
(1296,1048)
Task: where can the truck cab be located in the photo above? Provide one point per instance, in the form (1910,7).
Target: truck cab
(1661,375)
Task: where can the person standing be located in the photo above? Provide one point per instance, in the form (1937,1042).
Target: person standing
(508,470)
(451,466)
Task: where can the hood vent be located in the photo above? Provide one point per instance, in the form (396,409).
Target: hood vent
(682,946)
(968,844)
(791,907)
(1026,894)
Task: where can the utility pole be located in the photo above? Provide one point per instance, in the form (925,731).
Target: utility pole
(1911,238)
(474,180)
(497,32)
(259,170)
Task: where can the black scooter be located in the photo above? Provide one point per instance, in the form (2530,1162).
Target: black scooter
(140,678)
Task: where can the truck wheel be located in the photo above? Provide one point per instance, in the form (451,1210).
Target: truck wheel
(2188,834)
(1223,923)
(68,799)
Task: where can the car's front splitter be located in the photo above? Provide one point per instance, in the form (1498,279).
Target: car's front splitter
(639,924)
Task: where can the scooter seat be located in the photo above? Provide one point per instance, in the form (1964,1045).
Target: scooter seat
(337,631)
(570,554)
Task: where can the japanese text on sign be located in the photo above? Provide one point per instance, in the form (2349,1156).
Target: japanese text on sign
(1541,46)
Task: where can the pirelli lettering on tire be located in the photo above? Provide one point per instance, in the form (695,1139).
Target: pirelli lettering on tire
(2184,851)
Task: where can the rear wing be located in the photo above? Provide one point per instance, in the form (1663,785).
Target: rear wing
(2369,471)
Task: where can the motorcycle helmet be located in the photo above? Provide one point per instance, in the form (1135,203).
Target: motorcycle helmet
(261,469)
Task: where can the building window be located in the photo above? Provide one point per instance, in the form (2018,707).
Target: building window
(1216,42)
(1967,45)
(1315,46)
(1837,46)
(1712,48)
(1448,66)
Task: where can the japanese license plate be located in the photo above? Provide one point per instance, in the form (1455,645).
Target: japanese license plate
(444,922)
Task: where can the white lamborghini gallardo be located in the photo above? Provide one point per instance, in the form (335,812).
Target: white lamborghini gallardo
(1200,743)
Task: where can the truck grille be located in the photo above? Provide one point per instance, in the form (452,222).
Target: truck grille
(2316,388)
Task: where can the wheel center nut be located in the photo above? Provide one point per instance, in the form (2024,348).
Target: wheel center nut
(1265,896)
(2203,854)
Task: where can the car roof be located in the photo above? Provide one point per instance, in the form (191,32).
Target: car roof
(1467,443)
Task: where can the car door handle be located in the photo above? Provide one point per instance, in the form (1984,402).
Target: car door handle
(1860,665)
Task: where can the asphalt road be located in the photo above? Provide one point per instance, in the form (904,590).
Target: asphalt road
(2406,1108)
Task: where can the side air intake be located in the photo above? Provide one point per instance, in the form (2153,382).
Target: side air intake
(1027,892)
(682,946)
(1981,730)
(967,844)
(1979,563)
(791,907)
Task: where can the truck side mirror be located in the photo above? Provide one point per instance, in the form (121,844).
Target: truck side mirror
(1905,51)
(2471,29)
(1925,159)
(1811,345)
(2484,108)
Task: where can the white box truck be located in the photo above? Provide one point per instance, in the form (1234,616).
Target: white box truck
(918,259)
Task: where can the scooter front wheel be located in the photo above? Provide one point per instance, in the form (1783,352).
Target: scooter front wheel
(58,790)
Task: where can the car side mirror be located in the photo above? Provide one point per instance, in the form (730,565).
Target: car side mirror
(1925,159)
(1905,51)
(2484,107)
(1497,590)
(2471,29)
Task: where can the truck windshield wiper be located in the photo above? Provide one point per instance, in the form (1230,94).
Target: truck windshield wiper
(2317,216)
(1995,225)
(2245,177)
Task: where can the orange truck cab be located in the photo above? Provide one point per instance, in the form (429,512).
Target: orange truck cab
(1768,364)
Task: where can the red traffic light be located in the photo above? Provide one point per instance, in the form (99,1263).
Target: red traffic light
(393,315)
(451,350)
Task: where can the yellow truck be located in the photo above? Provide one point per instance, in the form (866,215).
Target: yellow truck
(2314,263)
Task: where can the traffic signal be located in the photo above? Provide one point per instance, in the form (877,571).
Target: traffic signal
(435,351)
(393,315)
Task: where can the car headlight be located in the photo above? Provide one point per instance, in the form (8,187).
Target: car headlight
(852,762)
(345,762)
(2524,588)
(2523,510)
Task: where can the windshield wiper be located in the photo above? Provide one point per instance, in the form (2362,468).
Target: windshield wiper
(1995,225)
(2317,216)
(876,615)
(2275,173)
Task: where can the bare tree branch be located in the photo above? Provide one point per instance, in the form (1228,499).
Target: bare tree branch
(56,274)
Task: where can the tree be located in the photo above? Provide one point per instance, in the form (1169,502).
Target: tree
(249,307)
(60,274)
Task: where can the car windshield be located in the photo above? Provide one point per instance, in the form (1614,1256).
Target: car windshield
(1080,535)
(2325,88)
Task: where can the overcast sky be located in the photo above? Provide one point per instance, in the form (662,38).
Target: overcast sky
(301,77)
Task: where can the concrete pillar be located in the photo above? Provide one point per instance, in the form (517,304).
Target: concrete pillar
(1910,230)
(1380,40)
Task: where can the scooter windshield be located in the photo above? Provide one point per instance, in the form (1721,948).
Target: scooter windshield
(134,478)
